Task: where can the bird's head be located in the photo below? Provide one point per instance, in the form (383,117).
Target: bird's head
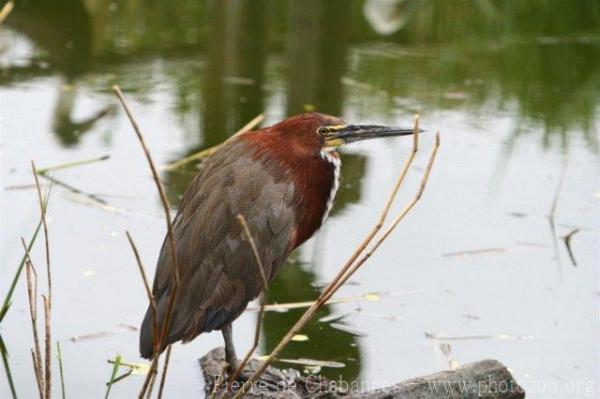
(314,132)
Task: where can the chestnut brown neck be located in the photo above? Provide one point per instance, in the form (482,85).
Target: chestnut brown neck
(313,175)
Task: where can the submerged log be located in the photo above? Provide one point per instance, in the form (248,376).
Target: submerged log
(487,379)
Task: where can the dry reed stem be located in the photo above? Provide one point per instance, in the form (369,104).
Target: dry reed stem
(32,296)
(48,298)
(149,379)
(404,171)
(151,385)
(163,377)
(96,200)
(38,377)
(211,150)
(48,350)
(396,221)
(384,213)
(263,275)
(43,211)
(72,164)
(148,290)
(170,237)
(259,318)
(259,321)
(347,270)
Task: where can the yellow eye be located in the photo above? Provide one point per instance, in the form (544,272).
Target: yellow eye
(323,131)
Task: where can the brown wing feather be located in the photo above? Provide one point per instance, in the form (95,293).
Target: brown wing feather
(218,272)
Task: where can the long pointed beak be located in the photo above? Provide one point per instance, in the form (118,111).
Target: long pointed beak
(351,133)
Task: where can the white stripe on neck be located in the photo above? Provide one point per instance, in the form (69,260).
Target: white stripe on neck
(336,162)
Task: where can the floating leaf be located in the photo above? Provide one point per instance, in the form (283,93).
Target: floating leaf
(136,368)
(101,334)
(313,362)
(141,368)
(348,329)
(372,297)
(284,307)
(312,369)
(334,317)
(485,251)
(300,338)
(439,337)
(113,375)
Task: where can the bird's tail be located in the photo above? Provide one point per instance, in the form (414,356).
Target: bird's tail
(146,331)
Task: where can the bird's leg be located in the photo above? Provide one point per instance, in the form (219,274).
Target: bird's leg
(230,355)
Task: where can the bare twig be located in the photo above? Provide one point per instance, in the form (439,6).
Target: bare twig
(151,299)
(43,210)
(72,164)
(259,317)
(121,377)
(48,350)
(552,214)
(37,372)
(149,381)
(151,384)
(32,296)
(558,189)
(395,222)
(258,326)
(350,267)
(170,237)
(209,151)
(386,209)
(567,240)
(163,377)
(261,267)
(95,200)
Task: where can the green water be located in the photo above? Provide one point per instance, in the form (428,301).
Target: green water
(513,86)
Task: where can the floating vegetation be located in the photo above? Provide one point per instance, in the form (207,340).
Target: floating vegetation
(136,368)
(567,240)
(310,362)
(300,338)
(284,307)
(485,251)
(348,329)
(101,334)
(504,337)
(113,376)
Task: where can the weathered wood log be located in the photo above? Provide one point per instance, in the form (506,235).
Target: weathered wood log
(487,379)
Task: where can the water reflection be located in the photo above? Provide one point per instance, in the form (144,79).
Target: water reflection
(236,55)
(295,284)
(316,47)
(64,31)
(444,55)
